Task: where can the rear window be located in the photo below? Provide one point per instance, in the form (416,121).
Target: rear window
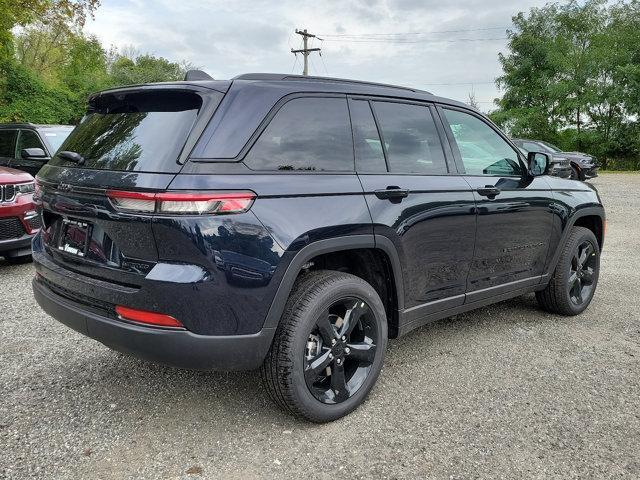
(311,134)
(411,139)
(137,131)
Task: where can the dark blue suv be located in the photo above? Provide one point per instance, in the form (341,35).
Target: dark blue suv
(294,224)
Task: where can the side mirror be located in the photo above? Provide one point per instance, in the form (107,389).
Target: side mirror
(36,153)
(538,163)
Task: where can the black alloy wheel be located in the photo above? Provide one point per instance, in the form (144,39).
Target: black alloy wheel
(340,350)
(575,278)
(328,349)
(581,278)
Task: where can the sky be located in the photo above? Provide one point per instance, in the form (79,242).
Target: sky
(448,48)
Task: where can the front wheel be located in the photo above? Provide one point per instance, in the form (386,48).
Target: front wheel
(329,347)
(575,278)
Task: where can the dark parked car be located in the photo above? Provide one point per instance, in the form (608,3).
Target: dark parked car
(19,221)
(560,166)
(582,166)
(27,147)
(294,224)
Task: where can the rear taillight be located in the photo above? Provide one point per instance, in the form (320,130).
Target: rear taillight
(148,318)
(182,203)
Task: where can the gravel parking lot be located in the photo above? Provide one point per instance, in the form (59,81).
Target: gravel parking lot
(503,392)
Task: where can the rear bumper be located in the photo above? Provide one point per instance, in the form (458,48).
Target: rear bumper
(179,348)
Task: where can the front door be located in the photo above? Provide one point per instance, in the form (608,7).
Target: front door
(416,200)
(514,209)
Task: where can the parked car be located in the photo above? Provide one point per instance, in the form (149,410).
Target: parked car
(582,166)
(560,166)
(19,221)
(27,147)
(294,224)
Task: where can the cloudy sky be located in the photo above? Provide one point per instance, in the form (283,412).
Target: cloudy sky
(449,48)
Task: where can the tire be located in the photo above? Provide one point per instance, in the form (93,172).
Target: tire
(576,174)
(286,372)
(561,293)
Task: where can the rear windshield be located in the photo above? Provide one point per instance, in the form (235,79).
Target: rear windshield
(137,131)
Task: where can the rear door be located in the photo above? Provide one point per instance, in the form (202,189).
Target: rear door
(129,140)
(416,199)
(514,209)
(28,139)
(7,146)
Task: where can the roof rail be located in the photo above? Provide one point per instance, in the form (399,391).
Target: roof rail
(280,76)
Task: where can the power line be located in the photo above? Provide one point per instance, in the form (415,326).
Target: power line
(424,40)
(327,35)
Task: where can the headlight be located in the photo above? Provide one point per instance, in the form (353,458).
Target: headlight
(25,188)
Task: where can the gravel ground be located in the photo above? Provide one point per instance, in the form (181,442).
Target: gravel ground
(503,392)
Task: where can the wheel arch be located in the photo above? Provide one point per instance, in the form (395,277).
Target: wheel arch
(346,245)
(592,218)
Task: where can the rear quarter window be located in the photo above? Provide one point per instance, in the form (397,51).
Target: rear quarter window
(306,134)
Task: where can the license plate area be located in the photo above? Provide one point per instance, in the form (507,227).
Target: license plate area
(74,237)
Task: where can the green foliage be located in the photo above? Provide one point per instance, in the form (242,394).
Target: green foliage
(26,98)
(50,68)
(144,69)
(572,77)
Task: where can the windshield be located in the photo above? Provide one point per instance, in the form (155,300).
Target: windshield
(55,136)
(137,131)
(551,147)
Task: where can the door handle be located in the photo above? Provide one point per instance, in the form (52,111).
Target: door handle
(488,191)
(391,192)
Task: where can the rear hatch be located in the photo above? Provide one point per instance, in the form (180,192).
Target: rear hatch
(130,140)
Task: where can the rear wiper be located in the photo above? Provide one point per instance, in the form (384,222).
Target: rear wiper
(72,157)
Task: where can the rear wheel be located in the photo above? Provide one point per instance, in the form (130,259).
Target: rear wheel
(329,347)
(575,278)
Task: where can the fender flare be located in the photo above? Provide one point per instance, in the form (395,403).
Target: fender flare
(583,212)
(350,242)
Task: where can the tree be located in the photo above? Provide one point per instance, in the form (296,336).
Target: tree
(571,76)
(145,69)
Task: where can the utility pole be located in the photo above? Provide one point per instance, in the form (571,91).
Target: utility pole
(305,51)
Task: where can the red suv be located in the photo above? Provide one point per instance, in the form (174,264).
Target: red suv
(19,221)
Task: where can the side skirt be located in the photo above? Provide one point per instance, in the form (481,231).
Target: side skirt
(409,321)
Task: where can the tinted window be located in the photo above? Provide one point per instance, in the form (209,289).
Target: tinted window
(141,131)
(7,143)
(483,151)
(367,145)
(306,134)
(411,139)
(28,139)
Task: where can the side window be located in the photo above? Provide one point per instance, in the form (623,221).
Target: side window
(367,144)
(28,139)
(411,139)
(483,151)
(7,143)
(306,134)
